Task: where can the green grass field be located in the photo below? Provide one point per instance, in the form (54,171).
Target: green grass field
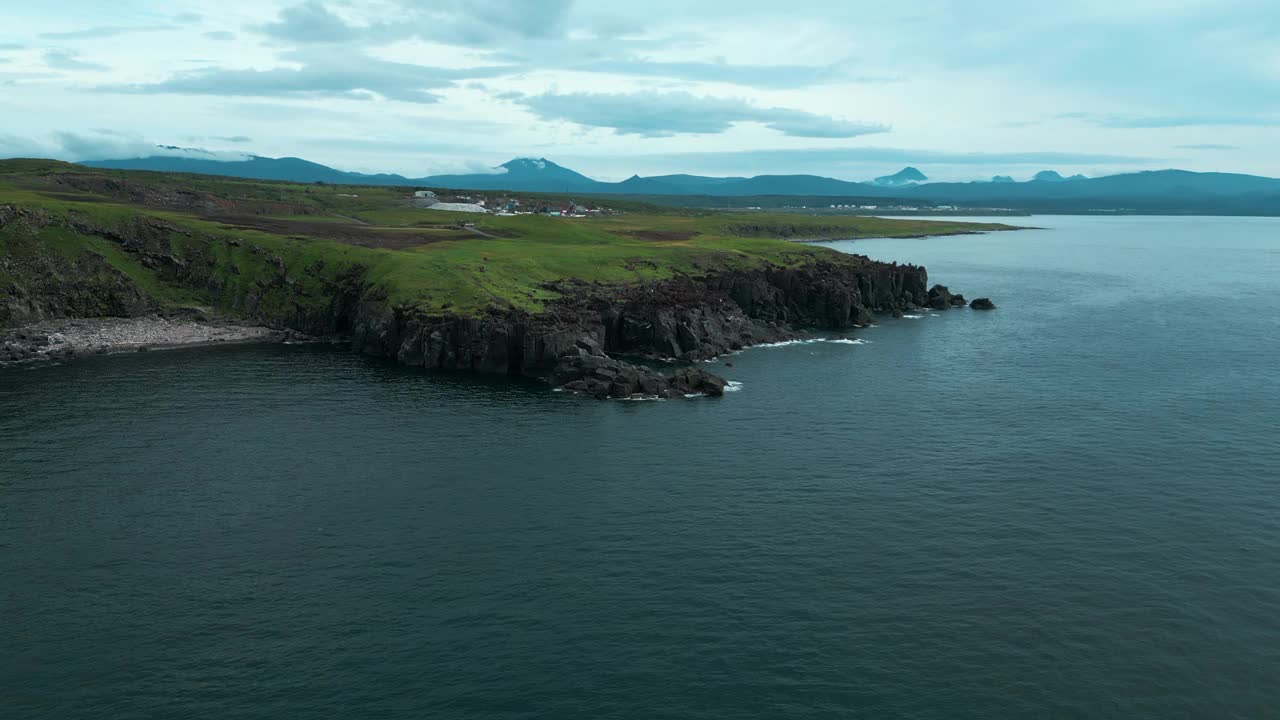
(244,231)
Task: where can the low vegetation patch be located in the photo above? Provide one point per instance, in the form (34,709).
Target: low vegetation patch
(274,250)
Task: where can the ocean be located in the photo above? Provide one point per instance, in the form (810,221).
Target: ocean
(1068,507)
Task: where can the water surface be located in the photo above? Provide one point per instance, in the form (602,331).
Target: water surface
(1064,508)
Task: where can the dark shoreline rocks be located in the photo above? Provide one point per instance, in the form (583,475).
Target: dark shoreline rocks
(941,298)
(982,304)
(604,377)
(686,318)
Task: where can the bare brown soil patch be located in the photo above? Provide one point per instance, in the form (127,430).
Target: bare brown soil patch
(663,235)
(349,233)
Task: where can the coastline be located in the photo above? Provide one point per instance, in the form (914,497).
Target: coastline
(913,236)
(63,339)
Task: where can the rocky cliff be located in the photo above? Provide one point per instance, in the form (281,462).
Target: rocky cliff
(688,318)
(684,318)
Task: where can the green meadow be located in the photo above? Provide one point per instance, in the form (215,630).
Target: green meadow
(224,240)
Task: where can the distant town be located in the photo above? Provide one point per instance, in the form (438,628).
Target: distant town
(506,205)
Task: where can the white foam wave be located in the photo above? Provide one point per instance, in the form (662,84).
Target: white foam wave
(811,341)
(784,343)
(912,317)
(733,386)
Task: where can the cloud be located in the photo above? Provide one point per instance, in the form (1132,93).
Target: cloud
(1152,122)
(13,146)
(472,23)
(104,31)
(775,157)
(309,22)
(488,23)
(1190,121)
(1207,146)
(101,144)
(541,39)
(234,138)
(188,17)
(769,76)
(65,60)
(220,35)
(323,74)
(653,114)
(10,46)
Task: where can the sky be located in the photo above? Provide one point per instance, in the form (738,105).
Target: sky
(852,89)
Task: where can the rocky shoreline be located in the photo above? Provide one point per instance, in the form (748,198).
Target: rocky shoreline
(588,340)
(584,341)
(68,338)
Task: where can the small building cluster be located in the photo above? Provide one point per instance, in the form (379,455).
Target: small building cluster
(506,205)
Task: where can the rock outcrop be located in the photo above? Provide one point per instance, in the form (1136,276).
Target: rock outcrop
(573,341)
(605,377)
(684,319)
(982,304)
(941,298)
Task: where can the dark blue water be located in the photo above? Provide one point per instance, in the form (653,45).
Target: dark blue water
(1064,508)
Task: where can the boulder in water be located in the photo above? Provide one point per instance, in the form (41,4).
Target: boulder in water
(939,297)
(982,304)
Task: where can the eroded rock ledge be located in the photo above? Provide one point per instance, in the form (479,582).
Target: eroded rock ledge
(576,341)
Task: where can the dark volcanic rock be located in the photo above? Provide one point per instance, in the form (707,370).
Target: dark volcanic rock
(684,318)
(982,304)
(687,318)
(605,377)
(939,297)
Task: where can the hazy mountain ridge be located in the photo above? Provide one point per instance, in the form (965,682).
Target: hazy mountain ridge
(1172,190)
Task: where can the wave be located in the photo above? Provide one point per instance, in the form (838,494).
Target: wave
(811,341)
(912,317)
(733,386)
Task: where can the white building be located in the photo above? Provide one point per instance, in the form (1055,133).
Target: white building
(458,207)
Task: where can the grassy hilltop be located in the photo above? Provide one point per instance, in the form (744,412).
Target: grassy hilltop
(275,250)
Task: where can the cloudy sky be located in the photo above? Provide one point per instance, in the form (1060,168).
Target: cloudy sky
(850,89)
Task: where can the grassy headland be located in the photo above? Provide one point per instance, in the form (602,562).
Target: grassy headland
(275,250)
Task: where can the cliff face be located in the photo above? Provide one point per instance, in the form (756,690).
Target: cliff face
(685,318)
(38,285)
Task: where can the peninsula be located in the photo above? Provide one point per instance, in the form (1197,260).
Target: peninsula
(534,285)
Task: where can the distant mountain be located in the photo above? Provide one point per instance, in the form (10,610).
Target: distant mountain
(255,168)
(1172,191)
(1055,176)
(905,176)
(527,174)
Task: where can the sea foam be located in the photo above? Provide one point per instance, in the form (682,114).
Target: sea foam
(811,341)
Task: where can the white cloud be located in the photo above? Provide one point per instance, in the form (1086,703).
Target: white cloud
(615,84)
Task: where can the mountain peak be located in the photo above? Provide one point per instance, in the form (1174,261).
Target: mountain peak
(1048,176)
(528,164)
(905,176)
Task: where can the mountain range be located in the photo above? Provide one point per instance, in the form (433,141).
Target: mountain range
(1176,191)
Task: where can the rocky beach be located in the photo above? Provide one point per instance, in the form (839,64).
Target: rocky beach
(67,338)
